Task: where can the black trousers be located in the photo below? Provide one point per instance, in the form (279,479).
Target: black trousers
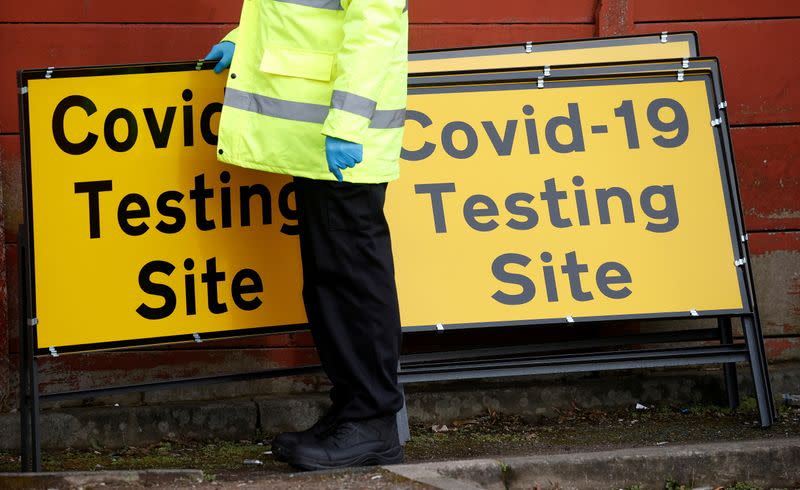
(350,293)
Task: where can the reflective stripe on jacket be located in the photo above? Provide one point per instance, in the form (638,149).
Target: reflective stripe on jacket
(304,69)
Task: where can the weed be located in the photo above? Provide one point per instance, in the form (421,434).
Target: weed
(748,405)
(743,486)
(671,484)
(505,474)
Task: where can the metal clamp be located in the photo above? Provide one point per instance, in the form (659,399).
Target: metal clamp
(745,237)
(547,70)
(197,337)
(49,72)
(694,312)
(529,47)
(53,351)
(570,319)
(685,63)
(664,36)
(680,75)
(723,105)
(740,262)
(540,82)
(439,327)
(199,65)
(716,122)
(32,322)
(23,90)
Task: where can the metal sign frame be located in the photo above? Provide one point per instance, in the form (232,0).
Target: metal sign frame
(668,70)
(426,367)
(605,73)
(457,365)
(528,48)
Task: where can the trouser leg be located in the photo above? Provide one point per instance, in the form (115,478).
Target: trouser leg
(350,294)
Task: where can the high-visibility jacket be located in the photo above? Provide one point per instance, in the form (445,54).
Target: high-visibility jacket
(306,69)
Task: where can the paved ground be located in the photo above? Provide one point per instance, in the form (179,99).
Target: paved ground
(493,437)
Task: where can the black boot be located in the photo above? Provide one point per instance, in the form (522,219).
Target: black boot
(283,444)
(351,443)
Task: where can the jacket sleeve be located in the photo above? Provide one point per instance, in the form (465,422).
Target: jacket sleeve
(231,36)
(372,29)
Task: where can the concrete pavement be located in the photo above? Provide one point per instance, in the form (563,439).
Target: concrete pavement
(761,463)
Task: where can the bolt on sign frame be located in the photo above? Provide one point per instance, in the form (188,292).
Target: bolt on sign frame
(416,369)
(663,46)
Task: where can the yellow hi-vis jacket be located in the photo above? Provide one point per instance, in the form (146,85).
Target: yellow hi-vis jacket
(306,69)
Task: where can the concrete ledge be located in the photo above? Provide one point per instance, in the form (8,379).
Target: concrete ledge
(277,414)
(769,464)
(773,463)
(114,427)
(80,479)
(472,474)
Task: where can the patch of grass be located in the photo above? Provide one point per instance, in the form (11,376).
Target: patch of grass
(671,484)
(577,428)
(209,457)
(743,486)
(748,405)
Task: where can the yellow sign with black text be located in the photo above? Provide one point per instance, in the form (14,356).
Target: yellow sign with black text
(138,231)
(589,199)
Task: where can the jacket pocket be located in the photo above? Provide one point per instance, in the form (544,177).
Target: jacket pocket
(295,62)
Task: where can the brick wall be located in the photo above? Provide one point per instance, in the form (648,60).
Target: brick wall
(752,39)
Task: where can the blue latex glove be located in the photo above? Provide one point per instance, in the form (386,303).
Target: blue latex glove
(342,154)
(222,52)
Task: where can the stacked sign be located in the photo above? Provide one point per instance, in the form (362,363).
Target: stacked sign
(556,194)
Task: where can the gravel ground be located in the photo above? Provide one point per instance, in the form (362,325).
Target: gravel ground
(229,465)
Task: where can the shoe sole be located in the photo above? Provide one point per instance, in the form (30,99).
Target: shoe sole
(281,453)
(390,456)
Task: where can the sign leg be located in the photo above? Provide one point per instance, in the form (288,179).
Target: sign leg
(30,447)
(36,445)
(403,430)
(24,403)
(758,365)
(25,413)
(729,369)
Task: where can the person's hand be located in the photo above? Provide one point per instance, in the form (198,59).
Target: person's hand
(222,52)
(342,154)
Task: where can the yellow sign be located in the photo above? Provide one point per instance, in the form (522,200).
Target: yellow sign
(631,48)
(582,200)
(138,231)
(587,199)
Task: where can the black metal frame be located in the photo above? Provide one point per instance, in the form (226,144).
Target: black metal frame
(470,364)
(538,47)
(751,324)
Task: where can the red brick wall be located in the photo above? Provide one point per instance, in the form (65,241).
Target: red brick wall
(753,40)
